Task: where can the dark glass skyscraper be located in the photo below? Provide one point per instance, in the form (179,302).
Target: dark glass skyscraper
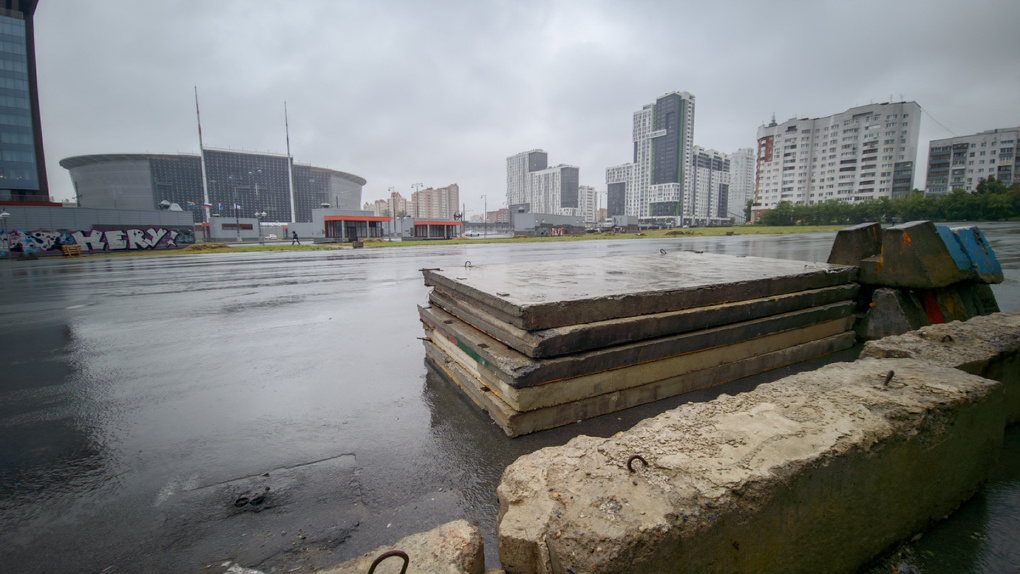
(22,167)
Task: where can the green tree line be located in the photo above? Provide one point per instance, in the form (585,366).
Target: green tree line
(992,200)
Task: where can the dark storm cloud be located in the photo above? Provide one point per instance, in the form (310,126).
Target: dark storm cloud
(442,92)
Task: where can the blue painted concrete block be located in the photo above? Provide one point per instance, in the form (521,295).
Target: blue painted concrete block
(955,246)
(981,255)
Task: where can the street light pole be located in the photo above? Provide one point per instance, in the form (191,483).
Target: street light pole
(393,214)
(237,216)
(7,238)
(258,217)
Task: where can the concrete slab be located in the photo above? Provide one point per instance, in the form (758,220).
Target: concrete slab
(516,423)
(533,296)
(913,255)
(817,472)
(569,390)
(519,370)
(855,243)
(558,341)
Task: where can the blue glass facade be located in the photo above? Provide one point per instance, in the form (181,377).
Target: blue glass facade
(22,169)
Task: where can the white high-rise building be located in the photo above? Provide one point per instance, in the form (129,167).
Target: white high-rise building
(659,181)
(741,182)
(518,170)
(962,162)
(711,187)
(587,203)
(553,190)
(864,153)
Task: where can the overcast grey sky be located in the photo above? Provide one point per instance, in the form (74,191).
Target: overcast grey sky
(439,92)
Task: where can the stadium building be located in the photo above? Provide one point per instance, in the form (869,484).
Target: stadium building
(239,183)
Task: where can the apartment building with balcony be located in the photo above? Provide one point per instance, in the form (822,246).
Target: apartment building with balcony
(866,152)
(961,162)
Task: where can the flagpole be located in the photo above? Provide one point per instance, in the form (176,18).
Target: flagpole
(201,150)
(290,165)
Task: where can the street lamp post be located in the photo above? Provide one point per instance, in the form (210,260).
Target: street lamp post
(7,238)
(259,216)
(237,216)
(485,217)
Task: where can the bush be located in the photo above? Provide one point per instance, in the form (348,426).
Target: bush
(206,247)
(992,201)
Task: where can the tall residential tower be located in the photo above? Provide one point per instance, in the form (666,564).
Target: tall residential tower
(741,182)
(553,190)
(659,181)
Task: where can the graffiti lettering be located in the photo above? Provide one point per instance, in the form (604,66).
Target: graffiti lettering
(44,240)
(91,242)
(137,238)
(115,240)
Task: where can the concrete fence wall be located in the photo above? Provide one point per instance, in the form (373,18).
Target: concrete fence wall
(820,471)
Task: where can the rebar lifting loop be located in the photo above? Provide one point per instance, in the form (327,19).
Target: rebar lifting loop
(386,555)
(632,459)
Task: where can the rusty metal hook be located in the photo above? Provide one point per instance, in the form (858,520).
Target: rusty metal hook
(467,264)
(632,459)
(386,555)
(888,378)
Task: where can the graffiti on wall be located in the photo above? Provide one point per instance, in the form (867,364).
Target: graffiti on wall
(45,241)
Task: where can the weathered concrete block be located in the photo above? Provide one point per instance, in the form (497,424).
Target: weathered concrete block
(453,548)
(983,261)
(955,248)
(964,300)
(987,346)
(913,255)
(892,312)
(816,472)
(978,297)
(855,243)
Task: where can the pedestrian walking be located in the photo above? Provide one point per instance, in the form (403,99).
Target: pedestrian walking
(295,240)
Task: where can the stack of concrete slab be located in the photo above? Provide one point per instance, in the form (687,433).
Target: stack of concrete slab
(918,274)
(539,345)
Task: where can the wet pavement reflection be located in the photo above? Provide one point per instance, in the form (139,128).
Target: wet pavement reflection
(142,398)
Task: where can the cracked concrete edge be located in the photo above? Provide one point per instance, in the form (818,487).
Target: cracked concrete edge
(451,548)
(987,346)
(821,470)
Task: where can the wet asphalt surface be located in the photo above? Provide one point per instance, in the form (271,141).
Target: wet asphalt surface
(181,413)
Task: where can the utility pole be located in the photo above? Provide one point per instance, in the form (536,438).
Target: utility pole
(393,213)
(485,216)
(416,187)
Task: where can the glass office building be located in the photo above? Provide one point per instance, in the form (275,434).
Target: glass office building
(22,168)
(253,182)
